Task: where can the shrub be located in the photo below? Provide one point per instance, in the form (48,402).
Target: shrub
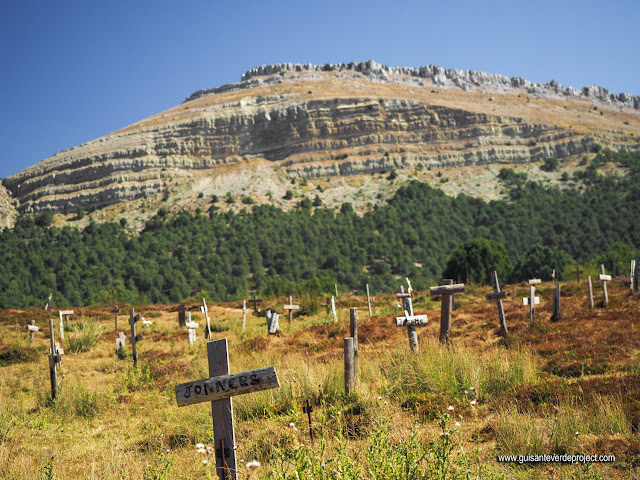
(83,336)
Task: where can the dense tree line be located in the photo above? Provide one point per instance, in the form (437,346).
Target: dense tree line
(225,256)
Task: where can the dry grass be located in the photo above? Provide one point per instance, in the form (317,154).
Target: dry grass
(111,420)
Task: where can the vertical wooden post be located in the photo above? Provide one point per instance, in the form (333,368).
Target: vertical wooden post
(590,292)
(308,409)
(222,411)
(61,325)
(532,305)
(632,269)
(348,365)
(32,330)
(333,310)
(412,333)
(604,286)
(116,311)
(373,304)
(182,317)
(369,301)
(244,314)
(336,285)
(52,362)
(134,347)
(578,272)
(555,316)
(191,328)
(553,276)
(445,312)
(636,274)
(498,295)
(205,310)
(353,331)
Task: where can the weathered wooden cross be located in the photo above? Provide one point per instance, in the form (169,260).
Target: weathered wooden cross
(191,327)
(244,314)
(447,291)
(604,278)
(182,317)
(273,327)
(66,314)
(55,360)
(555,314)
(410,320)
(449,281)
(590,292)
(120,341)
(532,301)
(205,310)
(256,301)
(219,390)
(134,339)
(368,301)
(32,330)
(291,307)
(116,311)
(578,272)
(498,296)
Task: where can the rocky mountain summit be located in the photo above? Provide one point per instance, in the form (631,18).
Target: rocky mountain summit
(323,121)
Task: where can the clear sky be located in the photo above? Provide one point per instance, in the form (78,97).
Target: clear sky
(72,71)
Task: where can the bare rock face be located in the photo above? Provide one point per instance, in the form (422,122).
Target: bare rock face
(320,120)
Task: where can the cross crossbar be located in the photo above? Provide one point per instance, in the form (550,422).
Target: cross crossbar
(525,301)
(535,281)
(447,289)
(496,295)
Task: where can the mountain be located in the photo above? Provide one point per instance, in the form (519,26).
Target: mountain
(305,123)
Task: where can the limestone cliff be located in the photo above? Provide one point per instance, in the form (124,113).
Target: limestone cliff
(334,120)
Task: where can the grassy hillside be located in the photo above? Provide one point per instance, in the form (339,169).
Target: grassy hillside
(569,387)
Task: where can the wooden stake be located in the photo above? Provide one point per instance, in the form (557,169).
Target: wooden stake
(182,317)
(369,301)
(348,365)
(636,275)
(604,278)
(133,318)
(497,295)
(590,293)
(445,312)
(532,301)
(333,310)
(555,315)
(116,311)
(53,360)
(205,310)
(120,341)
(219,389)
(632,269)
(353,331)
(244,314)
(578,272)
(308,409)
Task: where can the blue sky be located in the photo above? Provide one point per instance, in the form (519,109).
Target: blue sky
(73,71)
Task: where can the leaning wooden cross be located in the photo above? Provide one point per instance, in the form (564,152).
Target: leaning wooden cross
(604,278)
(447,291)
(498,296)
(410,320)
(205,310)
(219,390)
(32,330)
(291,307)
(66,314)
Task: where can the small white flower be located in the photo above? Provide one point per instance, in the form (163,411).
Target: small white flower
(199,445)
(450,408)
(252,465)
(473,402)
(457,424)
(205,461)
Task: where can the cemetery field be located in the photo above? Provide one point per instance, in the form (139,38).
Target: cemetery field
(447,411)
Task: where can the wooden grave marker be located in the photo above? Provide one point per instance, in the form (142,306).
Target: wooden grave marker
(410,320)
(553,276)
(555,314)
(349,376)
(498,296)
(632,270)
(604,279)
(55,360)
(205,310)
(373,304)
(182,315)
(369,301)
(578,272)
(66,314)
(591,304)
(191,328)
(308,409)
(273,327)
(636,275)
(219,390)
(244,314)
(120,342)
(446,291)
(256,301)
(47,305)
(290,308)
(134,339)
(353,331)
(333,310)
(532,301)
(116,310)
(535,281)
(32,330)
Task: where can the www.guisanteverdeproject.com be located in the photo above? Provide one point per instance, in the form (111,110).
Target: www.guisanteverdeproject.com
(555,458)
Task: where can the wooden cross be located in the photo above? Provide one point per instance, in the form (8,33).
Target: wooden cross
(134,339)
(291,307)
(410,320)
(205,310)
(578,272)
(191,327)
(555,315)
(66,314)
(497,295)
(47,305)
(590,292)
(273,327)
(120,341)
(32,330)
(182,317)
(244,314)
(553,276)
(447,291)
(535,281)
(308,409)
(604,278)
(116,310)
(256,301)
(368,301)
(532,301)
(449,281)
(219,390)
(55,360)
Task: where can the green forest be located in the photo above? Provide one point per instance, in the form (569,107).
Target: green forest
(421,234)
